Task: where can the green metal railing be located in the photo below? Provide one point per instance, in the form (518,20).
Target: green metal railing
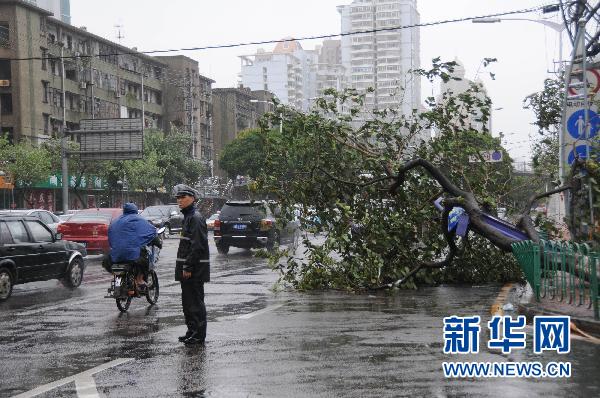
(561,271)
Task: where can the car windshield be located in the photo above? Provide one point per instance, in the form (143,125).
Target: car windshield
(152,212)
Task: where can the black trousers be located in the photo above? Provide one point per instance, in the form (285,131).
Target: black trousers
(194,310)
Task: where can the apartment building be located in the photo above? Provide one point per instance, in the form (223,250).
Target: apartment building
(235,110)
(330,71)
(102,78)
(383,57)
(295,75)
(190,103)
(281,71)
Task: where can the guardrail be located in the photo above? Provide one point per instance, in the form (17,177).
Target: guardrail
(562,271)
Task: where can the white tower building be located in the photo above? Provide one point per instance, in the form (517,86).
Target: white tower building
(383,57)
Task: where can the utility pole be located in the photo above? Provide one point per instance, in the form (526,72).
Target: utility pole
(143,109)
(93,105)
(191,113)
(63,140)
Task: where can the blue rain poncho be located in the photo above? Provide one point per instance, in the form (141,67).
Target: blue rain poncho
(128,233)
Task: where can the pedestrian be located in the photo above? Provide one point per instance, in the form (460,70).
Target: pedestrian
(192,267)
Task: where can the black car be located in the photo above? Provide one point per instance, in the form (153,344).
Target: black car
(30,251)
(168,216)
(252,224)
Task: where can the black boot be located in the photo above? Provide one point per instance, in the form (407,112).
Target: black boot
(194,339)
(185,337)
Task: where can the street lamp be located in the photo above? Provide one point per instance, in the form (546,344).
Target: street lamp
(559,28)
(255,101)
(121,184)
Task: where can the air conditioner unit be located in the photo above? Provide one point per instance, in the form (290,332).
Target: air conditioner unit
(83,85)
(77,53)
(117,94)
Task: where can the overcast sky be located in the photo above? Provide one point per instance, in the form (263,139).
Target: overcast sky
(525,50)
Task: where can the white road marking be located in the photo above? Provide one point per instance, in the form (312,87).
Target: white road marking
(84,382)
(260,312)
(53,307)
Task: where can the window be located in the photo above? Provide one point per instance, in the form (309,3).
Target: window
(44,58)
(17,231)
(46,87)
(46,118)
(39,232)
(4,34)
(5,72)
(71,72)
(5,237)
(6,104)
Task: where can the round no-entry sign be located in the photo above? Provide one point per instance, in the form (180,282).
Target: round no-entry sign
(593,79)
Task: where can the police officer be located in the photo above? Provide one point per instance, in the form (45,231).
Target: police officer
(192,266)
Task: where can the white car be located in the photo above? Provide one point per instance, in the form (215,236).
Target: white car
(48,218)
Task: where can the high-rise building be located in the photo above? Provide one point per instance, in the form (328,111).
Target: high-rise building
(383,57)
(281,72)
(60,8)
(293,74)
(468,116)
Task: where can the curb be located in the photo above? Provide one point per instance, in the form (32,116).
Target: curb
(530,310)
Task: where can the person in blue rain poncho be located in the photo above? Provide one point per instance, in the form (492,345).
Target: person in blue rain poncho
(128,237)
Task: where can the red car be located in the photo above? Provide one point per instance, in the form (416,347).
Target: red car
(90,227)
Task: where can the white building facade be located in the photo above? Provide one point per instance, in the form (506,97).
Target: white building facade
(466,117)
(383,57)
(294,75)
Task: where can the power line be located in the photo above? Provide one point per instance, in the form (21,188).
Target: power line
(317,37)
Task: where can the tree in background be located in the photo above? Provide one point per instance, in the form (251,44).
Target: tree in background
(172,154)
(27,164)
(245,155)
(144,174)
(547,105)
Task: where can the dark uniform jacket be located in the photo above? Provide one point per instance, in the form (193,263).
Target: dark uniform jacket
(193,255)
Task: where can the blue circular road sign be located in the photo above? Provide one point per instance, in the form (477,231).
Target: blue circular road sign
(581,151)
(577,128)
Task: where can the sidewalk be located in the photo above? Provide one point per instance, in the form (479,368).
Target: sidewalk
(581,316)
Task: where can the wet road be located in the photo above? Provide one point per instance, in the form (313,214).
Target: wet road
(261,341)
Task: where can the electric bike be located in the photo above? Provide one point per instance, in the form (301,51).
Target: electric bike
(123,287)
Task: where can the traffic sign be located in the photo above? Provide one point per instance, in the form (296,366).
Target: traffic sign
(593,79)
(488,156)
(581,151)
(577,128)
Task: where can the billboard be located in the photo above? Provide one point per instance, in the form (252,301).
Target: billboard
(110,139)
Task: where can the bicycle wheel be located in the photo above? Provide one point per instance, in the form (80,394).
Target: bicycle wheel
(123,303)
(153,288)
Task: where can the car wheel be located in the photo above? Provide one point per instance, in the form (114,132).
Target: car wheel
(74,273)
(223,249)
(6,284)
